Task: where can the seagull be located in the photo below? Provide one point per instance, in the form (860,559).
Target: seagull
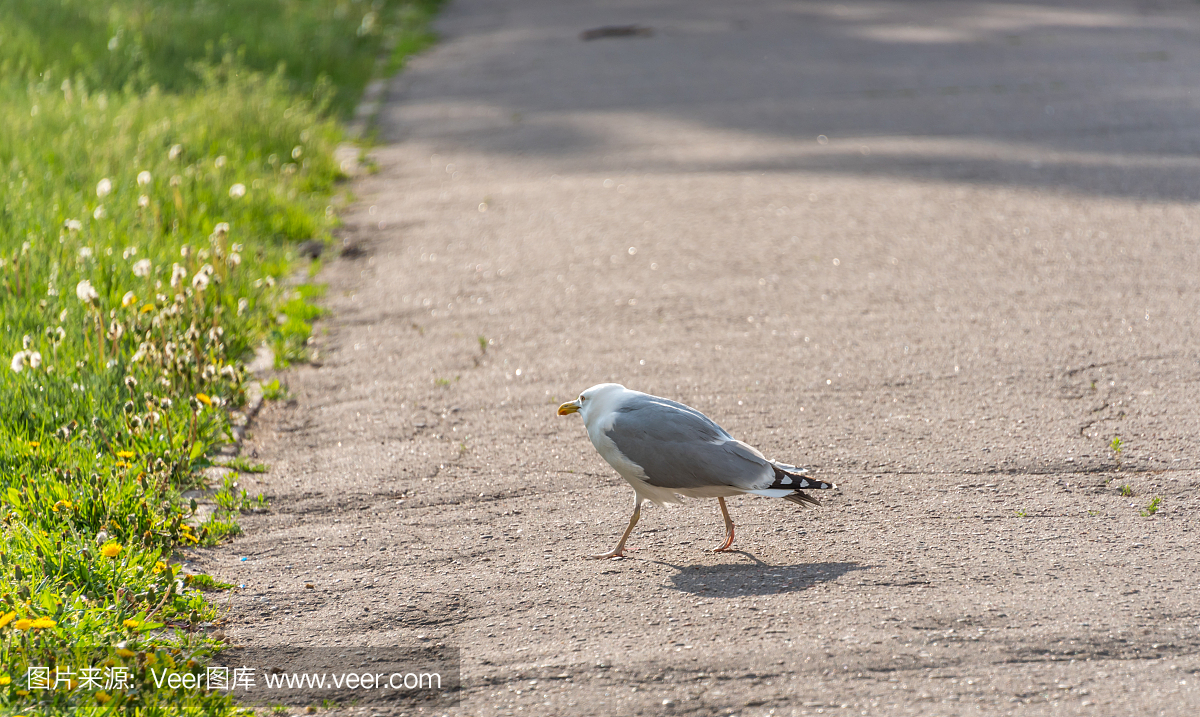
(665,449)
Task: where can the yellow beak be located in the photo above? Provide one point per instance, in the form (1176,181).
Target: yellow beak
(568,407)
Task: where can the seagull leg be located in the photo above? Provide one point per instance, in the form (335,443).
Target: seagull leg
(728,528)
(619,551)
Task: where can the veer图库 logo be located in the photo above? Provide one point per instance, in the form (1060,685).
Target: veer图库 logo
(304,674)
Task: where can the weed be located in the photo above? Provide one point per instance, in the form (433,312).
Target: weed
(234,499)
(241,465)
(1126,491)
(207,583)
(1152,507)
(274,391)
(1020,513)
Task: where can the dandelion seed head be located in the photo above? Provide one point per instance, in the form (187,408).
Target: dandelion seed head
(237,191)
(175,151)
(129,251)
(219,162)
(242,304)
(200,281)
(26,340)
(141,268)
(35,359)
(104,187)
(143,201)
(143,178)
(74,225)
(129,298)
(99,212)
(18,362)
(85,252)
(178,274)
(86,292)
(221,229)
(235,259)
(297,151)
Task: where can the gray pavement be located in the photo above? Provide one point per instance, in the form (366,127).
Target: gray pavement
(942,253)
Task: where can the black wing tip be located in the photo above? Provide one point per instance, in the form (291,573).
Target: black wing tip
(803,499)
(792,477)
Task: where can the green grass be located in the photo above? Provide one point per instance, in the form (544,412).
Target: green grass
(241,465)
(143,43)
(1152,507)
(158,163)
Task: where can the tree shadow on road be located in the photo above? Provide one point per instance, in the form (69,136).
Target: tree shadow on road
(1084,98)
(756,578)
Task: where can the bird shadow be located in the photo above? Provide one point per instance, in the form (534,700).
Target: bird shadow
(755,578)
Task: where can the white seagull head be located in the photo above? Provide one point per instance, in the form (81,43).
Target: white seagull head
(595,401)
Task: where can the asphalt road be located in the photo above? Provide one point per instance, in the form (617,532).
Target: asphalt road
(942,253)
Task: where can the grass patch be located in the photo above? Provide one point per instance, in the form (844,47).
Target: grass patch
(159,162)
(241,465)
(322,45)
(273,390)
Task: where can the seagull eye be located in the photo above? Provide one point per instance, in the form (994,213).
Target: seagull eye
(582,399)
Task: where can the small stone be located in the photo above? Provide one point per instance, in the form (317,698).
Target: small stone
(311,249)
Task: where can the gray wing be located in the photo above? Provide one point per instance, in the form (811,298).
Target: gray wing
(679,447)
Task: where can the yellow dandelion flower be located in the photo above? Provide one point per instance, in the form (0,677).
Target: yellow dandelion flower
(125,652)
(63,504)
(151,659)
(22,624)
(202,398)
(7,618)
(121,464)
(34,444)
(158,568)
(103,697)
(190,537)
(23,693)
(124,454)
(5,679)
(131,623)
(42,623)
(111,550)
(147,308)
